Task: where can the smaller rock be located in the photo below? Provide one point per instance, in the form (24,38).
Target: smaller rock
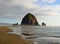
(43,24)
(15,24)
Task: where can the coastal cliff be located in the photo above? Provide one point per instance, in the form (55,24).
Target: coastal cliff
(29,19)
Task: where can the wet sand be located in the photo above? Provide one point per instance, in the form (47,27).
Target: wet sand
(6,38)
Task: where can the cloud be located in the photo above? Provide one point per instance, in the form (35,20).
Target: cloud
(18,8)
(52,10)
(25,3)
(48,1)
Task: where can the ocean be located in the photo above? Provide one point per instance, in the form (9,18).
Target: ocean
(42,35)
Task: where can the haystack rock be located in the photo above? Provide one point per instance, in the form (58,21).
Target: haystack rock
(29,19)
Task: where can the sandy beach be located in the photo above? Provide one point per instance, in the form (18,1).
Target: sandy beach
(6,38)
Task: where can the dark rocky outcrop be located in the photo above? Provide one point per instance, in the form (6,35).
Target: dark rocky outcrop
(43,24)
(29,19)
(15,24)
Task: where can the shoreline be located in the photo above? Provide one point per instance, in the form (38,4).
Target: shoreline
(6,38)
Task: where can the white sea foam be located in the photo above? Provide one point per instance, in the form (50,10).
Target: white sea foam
(44,34)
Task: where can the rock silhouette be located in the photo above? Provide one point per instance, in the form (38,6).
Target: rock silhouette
(43,24)
(15,24)
(29,19)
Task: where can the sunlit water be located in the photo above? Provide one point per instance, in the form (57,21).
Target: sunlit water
(43,35)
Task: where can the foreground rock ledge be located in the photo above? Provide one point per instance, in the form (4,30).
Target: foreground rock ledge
(29,19)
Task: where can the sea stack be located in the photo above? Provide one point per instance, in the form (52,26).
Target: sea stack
(29,19)
(43,24)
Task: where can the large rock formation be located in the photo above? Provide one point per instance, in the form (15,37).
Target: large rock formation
(29,19)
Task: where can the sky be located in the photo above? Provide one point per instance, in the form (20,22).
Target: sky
(48,11)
